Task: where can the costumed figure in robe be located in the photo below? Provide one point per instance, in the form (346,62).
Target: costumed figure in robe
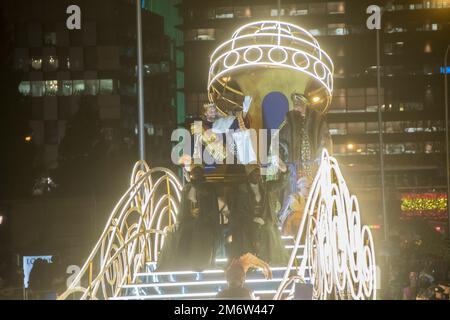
(296,206)
(253,219)
(218,133)
(302,137)
(193,241)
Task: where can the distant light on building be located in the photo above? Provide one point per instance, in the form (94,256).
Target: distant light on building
(2,219)
(445,70)
(350,146)
(28,138)
(430,205)
(315,99)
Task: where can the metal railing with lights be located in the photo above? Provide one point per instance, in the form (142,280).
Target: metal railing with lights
(133,236)
(339,251)
(335,250)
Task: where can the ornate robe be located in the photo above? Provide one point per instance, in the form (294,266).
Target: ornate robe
(248,236)
(302,138)
(193,245)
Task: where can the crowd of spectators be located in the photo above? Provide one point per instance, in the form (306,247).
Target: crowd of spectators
(419,267)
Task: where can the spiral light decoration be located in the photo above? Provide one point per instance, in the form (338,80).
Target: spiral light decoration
(133,236)
(339,252)
(269,44)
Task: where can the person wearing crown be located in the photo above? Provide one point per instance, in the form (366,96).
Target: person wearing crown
(303,135)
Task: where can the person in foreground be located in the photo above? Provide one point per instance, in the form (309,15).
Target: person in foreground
(236,274)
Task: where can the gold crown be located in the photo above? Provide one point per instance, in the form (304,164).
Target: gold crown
(207,106)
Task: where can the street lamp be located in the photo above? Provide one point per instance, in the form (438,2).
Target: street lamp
(374,22)
(447,140)
(141,126)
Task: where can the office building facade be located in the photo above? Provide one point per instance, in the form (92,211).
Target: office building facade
(96,65)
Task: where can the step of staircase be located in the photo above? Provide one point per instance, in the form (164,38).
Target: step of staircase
(180,285)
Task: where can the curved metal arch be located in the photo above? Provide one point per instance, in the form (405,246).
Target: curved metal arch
(128,237)
(339,250)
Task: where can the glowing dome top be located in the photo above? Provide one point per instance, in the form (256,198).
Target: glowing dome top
(274,45)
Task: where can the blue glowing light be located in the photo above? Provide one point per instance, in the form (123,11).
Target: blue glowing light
(445,70)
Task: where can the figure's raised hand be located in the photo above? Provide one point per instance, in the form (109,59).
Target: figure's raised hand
(246,104)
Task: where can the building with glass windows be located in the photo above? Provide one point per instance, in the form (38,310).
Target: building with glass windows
(414,36)
(96,63)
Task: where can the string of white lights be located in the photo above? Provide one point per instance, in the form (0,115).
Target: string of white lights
(339,250)
(270,44)
(133,234)
(317,70)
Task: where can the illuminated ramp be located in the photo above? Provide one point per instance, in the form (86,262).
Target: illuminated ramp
(332,252)
(151,285)
(133,235)
(122,264)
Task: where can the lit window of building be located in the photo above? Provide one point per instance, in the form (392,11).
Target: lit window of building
(394,48)
(91,87)
(106,86)
(372,127)
(395,148)
(51,88)
(25,88)
(337,29)
(357,149)
(390,28)
(298,10)
(36,63)
(372,99)
(242,12)
(65,89)
(373,148)
(338,129)
(318,32)
(52,63)
(37,88)
(78,87)
(336,7)
(200,34)
(224,13)
(274,12)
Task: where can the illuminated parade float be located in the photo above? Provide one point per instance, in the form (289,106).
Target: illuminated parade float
(167,239)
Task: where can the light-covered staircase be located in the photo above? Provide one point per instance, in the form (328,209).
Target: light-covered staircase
(199,285)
